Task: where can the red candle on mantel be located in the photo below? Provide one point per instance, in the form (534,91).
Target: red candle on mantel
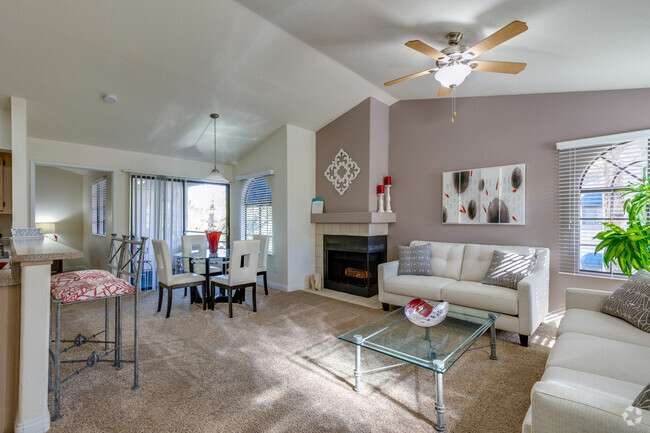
(387,180)
(380,189)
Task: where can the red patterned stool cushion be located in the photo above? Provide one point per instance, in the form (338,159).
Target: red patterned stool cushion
(84,285)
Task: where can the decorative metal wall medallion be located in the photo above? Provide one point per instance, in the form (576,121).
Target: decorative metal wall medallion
(342,171)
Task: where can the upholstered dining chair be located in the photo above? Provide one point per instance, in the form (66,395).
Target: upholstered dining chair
(263,258)
(169,281)
(122,278)
(197,245)
(242,271)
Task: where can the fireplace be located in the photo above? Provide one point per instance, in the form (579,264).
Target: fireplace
(350,263)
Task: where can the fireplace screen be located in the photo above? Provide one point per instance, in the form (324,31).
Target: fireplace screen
(351,263)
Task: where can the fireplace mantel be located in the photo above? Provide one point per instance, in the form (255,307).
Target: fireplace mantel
(354,218)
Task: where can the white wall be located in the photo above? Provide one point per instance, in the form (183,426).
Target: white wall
(59,201)
(20,169)
(271,154)
(290,152)
(301,189)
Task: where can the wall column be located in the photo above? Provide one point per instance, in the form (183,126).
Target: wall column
(19,173)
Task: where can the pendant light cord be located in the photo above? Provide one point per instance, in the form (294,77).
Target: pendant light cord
(215,143)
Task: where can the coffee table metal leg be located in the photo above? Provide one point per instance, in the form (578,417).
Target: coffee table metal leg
(357,365)
(440,405)
(493,342)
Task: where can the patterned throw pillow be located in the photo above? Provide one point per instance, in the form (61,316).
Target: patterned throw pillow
(415,260)
(508,269)
(642,401)
(631,301)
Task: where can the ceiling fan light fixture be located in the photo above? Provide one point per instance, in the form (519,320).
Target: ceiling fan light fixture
(452,75)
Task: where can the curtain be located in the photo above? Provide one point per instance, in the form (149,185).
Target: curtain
(157,212)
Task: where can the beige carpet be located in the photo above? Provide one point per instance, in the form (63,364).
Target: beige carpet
(282,369)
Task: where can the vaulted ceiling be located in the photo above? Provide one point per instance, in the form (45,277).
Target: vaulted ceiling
(261,64)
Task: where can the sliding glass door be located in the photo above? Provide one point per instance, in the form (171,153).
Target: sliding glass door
(167,208)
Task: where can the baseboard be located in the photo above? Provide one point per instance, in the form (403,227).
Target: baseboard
(38,425)
(286,288)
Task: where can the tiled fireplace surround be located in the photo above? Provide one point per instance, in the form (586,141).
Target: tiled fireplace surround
(343,229)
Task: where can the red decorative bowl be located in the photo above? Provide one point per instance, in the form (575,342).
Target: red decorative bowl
(422,313)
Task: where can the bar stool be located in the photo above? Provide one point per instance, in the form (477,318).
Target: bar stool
(125,266)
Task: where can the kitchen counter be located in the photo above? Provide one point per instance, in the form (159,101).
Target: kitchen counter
(33,250)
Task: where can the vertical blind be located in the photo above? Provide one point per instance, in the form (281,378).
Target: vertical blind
(257,209)
(98,207)
(589,178)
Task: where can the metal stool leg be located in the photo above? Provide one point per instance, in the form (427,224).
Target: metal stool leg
(118,332)
(51,357)
(57,362)
(136,344)
(106,324)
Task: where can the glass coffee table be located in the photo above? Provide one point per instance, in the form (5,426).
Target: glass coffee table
(435,348)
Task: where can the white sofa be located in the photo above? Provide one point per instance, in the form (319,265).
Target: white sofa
(457,273)
(597,367)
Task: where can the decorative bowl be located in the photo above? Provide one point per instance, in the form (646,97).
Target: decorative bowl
(422,313)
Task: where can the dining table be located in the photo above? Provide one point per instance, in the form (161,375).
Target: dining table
(221,258)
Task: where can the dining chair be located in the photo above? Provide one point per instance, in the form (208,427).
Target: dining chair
(122,278)
(263,258)
(196,245)
(242,271)
(169,281)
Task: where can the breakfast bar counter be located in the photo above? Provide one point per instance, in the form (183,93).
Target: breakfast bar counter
(25,304)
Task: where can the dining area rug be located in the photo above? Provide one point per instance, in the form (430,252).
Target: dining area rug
(283,369)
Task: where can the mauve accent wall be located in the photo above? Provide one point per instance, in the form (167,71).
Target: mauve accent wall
(492,131)
(363,133)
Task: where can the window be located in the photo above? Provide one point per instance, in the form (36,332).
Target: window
(98,207)
(591,171)
(206,207)
(257,210)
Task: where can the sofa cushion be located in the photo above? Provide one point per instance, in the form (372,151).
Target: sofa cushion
(598,324)
(601,356)
(495,299)
(508,269)
(446,258)
(417,286)
(414,260)
(605,386)
(631,302)
(477,259)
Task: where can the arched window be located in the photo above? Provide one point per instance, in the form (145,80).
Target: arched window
(589,179)
(257,210)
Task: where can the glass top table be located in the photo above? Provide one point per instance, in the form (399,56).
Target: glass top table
(221,257)
(436,348)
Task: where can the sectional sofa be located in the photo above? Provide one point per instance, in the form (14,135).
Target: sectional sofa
(457,273)
(598,365)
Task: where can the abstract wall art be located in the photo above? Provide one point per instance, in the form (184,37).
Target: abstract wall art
(493,195)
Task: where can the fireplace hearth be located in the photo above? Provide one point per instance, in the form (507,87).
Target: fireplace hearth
(350,263)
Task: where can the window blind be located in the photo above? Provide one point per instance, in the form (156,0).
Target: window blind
(589,177)
(257,209)
(98,207)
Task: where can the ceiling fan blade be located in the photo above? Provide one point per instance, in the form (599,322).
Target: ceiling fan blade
(503,67)
(425,49)
(408,77)
(444,91)
(499,37)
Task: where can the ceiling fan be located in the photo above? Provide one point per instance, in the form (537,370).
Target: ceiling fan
(456,62)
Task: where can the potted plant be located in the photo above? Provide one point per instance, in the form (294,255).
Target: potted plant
(630,248)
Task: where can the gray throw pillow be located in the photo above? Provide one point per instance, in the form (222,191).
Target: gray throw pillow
(415,260)
(508,269)
(631,301)
(642,401)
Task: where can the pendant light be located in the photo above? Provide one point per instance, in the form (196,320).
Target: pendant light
(215,175)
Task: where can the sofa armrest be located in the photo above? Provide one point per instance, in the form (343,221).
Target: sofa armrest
(559,408)
(585,299)
(532,294)
(385,271)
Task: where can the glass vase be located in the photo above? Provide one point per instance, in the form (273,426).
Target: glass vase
(213,240)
